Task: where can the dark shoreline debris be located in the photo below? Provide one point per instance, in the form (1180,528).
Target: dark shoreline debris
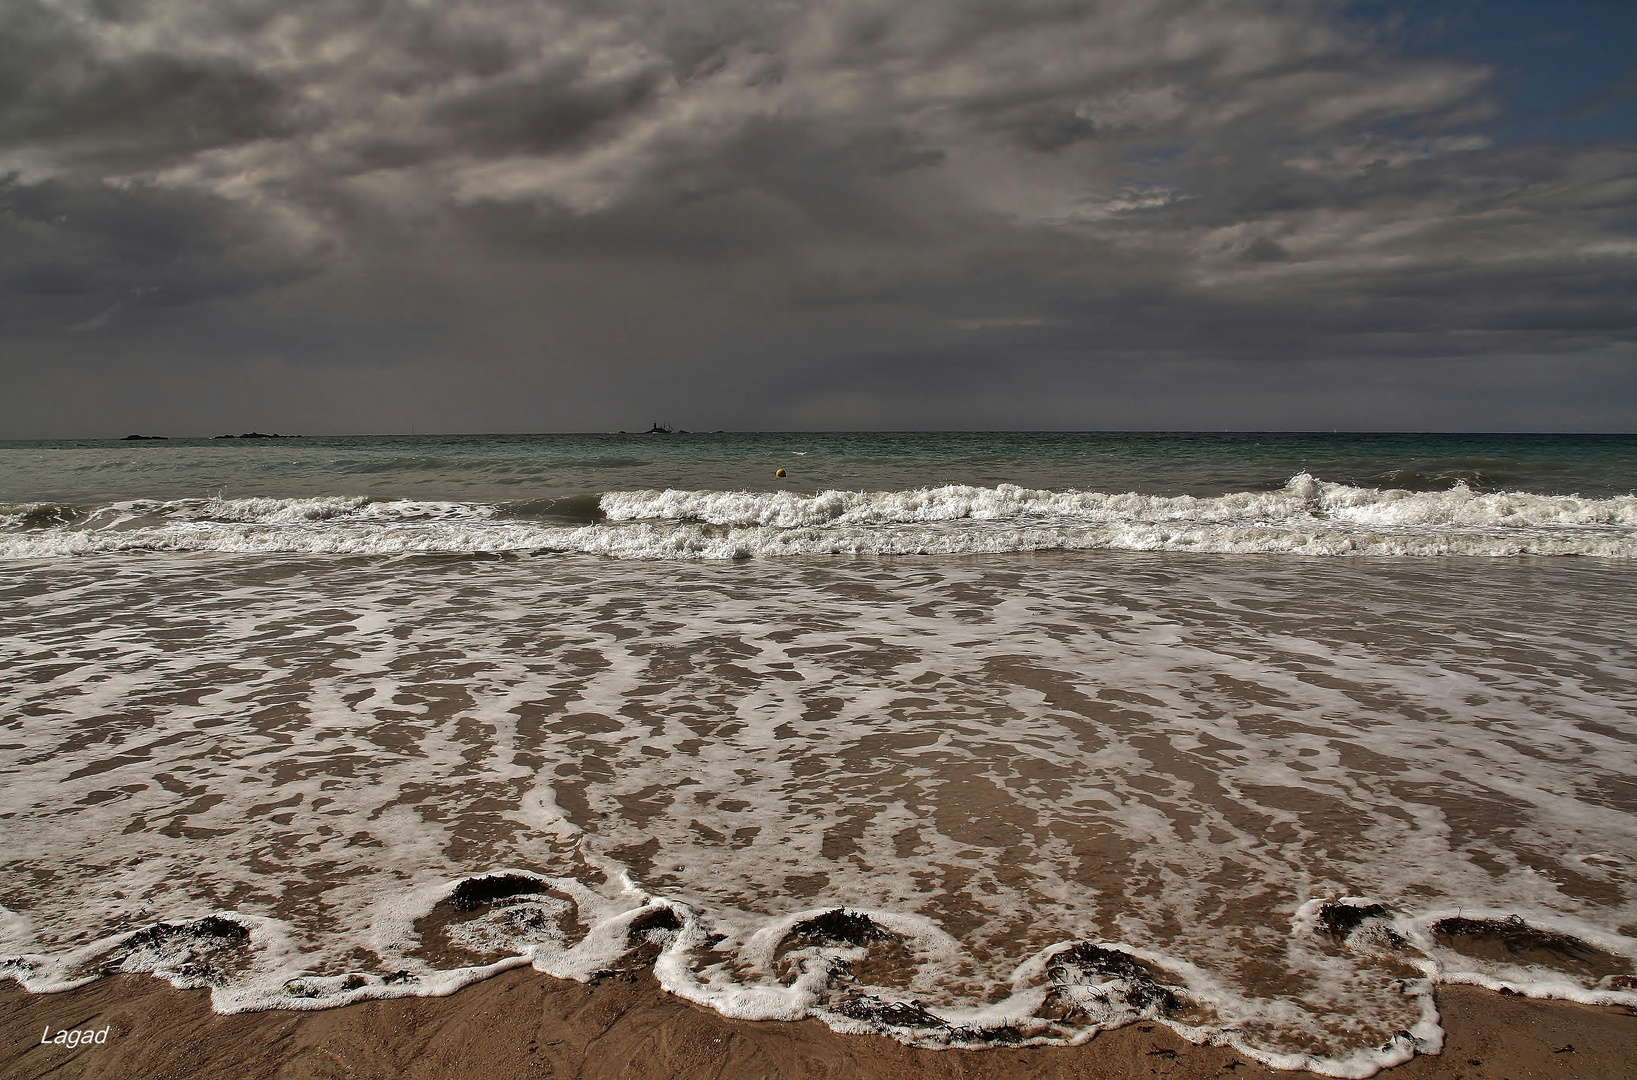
(1142,990)
(1005,1035)
(200,972)
(903,1014)
(211,926)
(1517,936)
(491,887)
(198,938)
(1340,920)
(839,926)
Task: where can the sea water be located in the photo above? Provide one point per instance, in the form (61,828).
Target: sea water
(967,739)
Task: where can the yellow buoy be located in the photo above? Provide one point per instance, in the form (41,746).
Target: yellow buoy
(779,473)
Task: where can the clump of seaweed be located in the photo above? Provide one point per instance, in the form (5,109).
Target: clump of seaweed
(1141,991)
(197,971)
(1005,1035)
(1511,931)
(210,927)
(839,926)
(1343,922)
(472,892)
(1340,920)
(1512,938)
(180,950)
(901,1014)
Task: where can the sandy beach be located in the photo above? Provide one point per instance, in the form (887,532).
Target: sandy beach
(522,1024)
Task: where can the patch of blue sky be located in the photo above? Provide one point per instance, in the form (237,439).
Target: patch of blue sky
(1564,70)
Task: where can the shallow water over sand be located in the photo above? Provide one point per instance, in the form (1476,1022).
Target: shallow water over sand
(1166,756)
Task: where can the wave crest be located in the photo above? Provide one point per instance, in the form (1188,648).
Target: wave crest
(1306,517)
(1304,497)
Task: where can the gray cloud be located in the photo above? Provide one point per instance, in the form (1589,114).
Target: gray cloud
(74,250)
(624,199)
(101,103)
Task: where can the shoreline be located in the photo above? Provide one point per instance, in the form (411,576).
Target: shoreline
(524,1024)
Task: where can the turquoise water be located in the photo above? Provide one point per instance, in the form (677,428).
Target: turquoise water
(527,468)
(721,496)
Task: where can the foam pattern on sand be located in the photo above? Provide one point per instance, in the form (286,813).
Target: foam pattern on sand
(1017,801)
(1306,517)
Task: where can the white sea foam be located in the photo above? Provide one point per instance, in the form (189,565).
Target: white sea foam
(992,762)
(1304,499)
(1306,517)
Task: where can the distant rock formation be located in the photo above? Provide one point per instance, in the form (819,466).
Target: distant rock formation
(144,438)
(258,435)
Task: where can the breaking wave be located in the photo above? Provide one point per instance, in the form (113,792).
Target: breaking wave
(1305,517)
(805,965)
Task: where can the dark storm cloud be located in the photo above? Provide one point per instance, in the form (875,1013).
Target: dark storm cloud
(678,192)
(553,110)
(72,252)
(131,109)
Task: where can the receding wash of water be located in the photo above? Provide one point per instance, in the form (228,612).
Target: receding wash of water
(968,739)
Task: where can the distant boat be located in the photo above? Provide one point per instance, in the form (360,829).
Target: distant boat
(660,429)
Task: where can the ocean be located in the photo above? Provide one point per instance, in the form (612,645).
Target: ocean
(969,739)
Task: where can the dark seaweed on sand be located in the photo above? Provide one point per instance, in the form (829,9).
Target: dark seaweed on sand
(840,927)
(211,926)
(1517,935)
(491,887)
(1340,920)
(1004,1035)
(1142,990)
(199,971)
(904,1014)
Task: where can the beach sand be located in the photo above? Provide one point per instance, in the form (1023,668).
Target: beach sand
(522,1024)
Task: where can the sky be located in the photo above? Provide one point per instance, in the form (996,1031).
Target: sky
(347,216)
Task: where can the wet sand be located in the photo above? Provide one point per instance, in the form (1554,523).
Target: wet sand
(522,1024)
